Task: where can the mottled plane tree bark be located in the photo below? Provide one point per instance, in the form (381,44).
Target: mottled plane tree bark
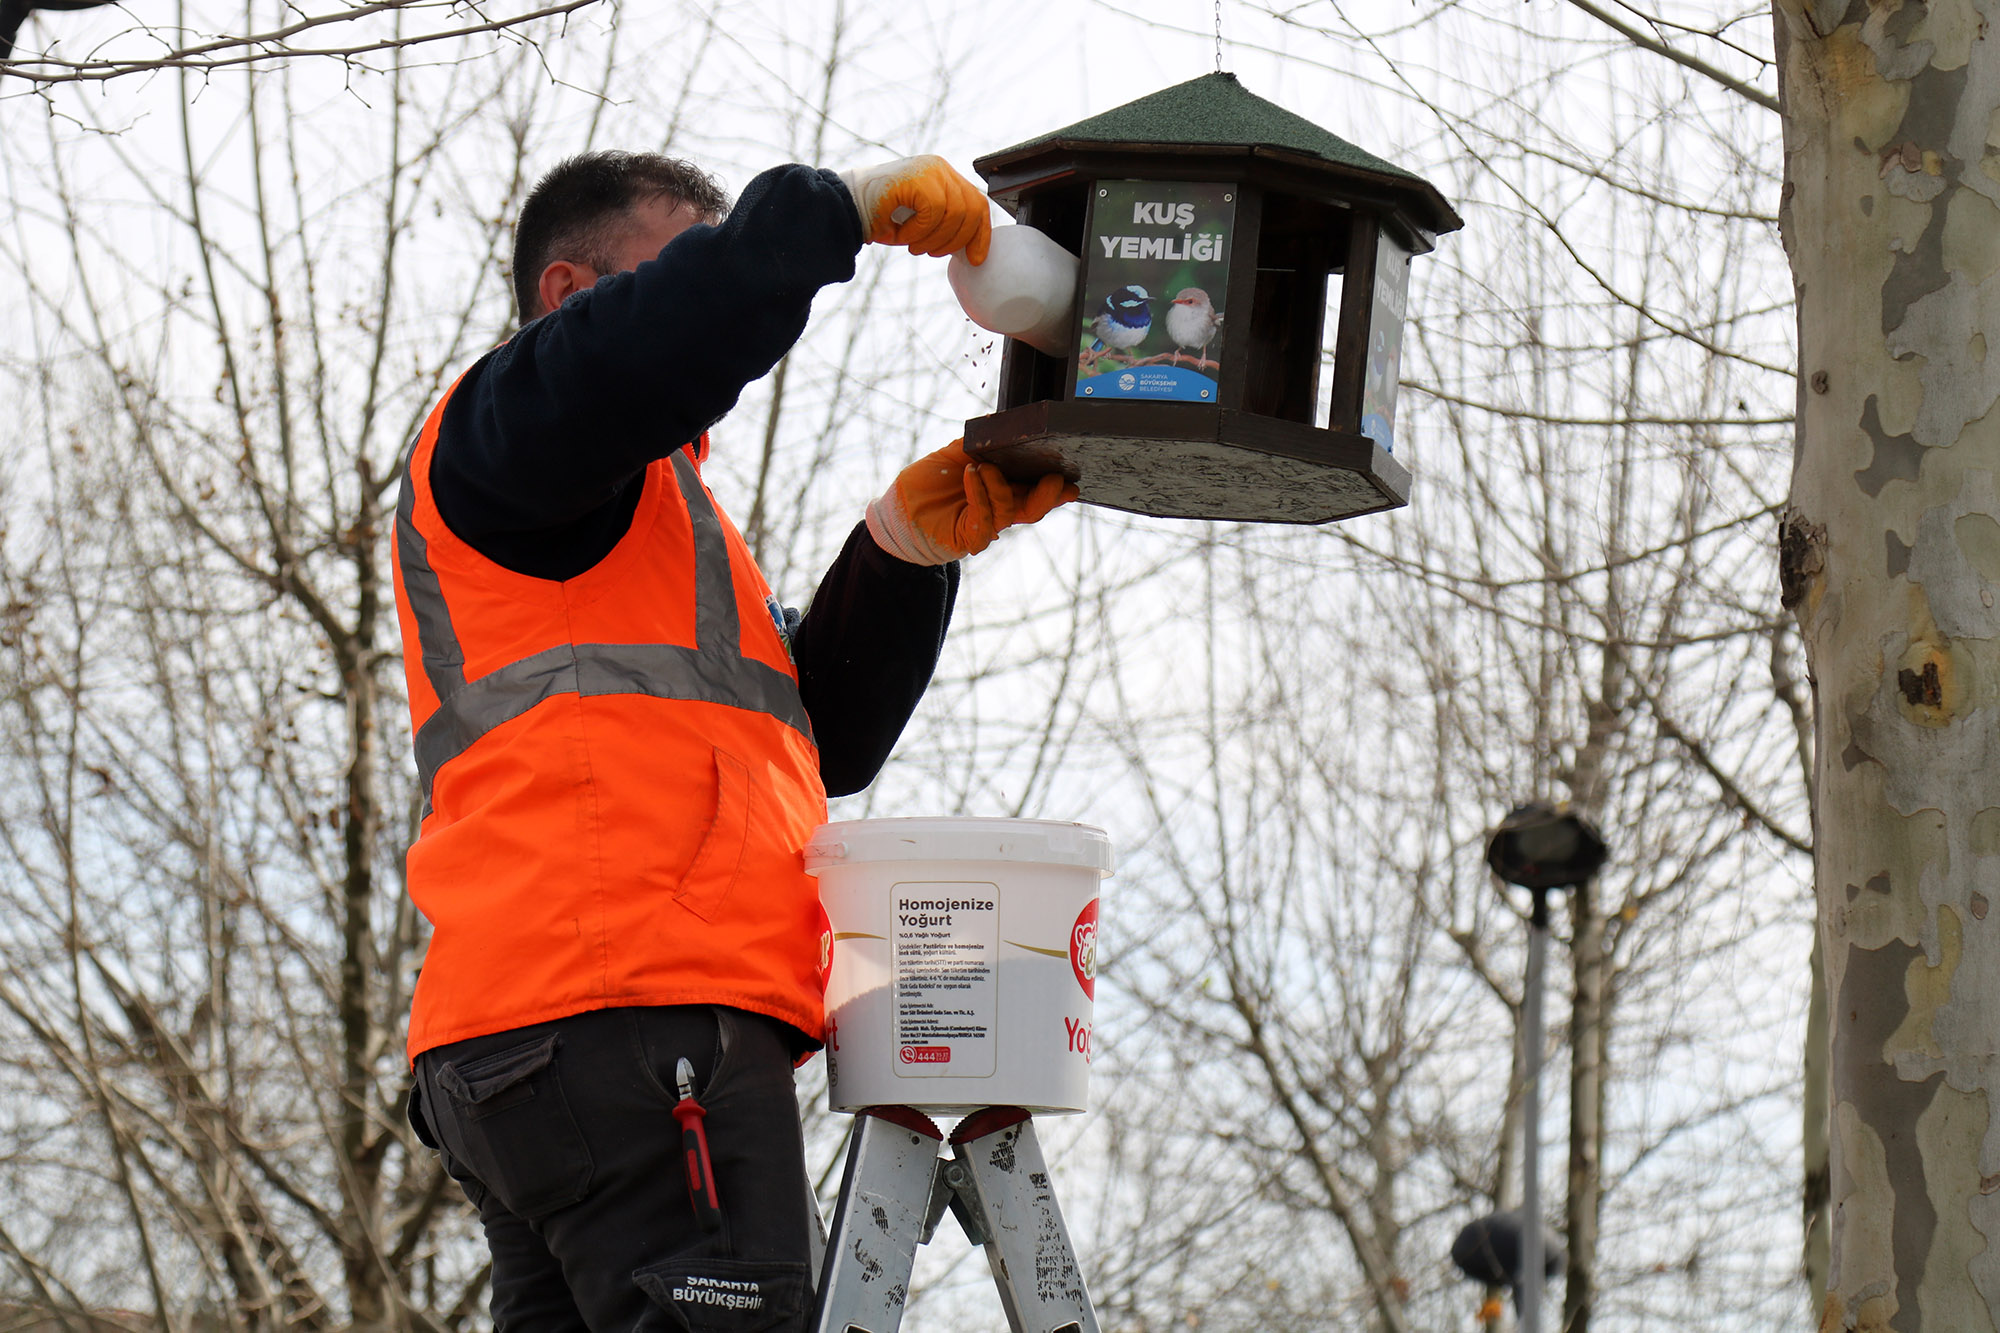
(1890,553)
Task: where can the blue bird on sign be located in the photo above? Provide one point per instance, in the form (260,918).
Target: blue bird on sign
(1122,321)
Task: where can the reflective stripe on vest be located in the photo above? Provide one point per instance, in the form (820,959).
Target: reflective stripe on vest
(714,671)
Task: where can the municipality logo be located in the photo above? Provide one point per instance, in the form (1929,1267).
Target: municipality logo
(719,1291)
(1128,381)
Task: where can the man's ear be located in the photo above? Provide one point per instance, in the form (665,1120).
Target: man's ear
(560,279)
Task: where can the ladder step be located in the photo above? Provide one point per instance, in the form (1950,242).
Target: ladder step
(996,1182)
(885,1202)
(1027,1246)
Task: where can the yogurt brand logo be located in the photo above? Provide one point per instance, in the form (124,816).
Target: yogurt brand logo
(1083,948)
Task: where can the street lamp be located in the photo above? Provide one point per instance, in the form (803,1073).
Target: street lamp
(1538,847)
(1488,1251)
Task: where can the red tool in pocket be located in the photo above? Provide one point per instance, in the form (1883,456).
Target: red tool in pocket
(694,1150)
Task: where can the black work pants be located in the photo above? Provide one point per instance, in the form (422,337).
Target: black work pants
(563,1137)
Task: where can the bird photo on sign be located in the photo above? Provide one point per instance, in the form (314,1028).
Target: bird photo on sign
(1155,283)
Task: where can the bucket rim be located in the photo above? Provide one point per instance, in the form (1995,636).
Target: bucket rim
(1054,842)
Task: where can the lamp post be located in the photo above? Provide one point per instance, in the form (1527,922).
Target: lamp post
(1538,847)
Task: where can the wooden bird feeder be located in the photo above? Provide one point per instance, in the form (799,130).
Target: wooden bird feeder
(1198,201)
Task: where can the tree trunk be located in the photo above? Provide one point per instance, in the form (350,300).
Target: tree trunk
(1589,965)
(361,1142)
(1590,978)
(1889,554)
(1815,1189)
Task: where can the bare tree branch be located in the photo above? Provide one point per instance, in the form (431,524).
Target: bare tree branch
(276,44)
(1748,92)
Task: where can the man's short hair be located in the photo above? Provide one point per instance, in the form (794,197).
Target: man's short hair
(576,212)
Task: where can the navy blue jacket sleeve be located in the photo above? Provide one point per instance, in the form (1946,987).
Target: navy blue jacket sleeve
(541,456)
(549,428)
(865,653)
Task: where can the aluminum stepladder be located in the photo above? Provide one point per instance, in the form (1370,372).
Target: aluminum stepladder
(897,1187)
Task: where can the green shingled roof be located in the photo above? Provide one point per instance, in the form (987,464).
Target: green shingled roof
(1214,109)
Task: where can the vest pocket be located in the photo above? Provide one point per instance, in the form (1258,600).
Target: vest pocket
(712,873)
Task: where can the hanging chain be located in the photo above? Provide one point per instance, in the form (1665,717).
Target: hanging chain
(1218,36)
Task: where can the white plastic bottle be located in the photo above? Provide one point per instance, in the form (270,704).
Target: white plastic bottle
(1026,289)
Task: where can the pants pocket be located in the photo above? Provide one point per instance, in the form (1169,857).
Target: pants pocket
(419,1122)
(697,1295)
(514,1127)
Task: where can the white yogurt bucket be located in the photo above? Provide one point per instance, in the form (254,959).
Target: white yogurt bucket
(964,961)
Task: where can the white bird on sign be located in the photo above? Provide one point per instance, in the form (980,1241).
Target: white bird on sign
(1192,323)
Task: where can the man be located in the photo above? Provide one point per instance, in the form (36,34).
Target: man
(620,761)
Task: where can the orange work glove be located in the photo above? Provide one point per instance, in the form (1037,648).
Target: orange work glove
(924,204)
(944,507)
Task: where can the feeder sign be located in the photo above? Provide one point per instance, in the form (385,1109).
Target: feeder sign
(1155,286)
(944,946)
(1385,341)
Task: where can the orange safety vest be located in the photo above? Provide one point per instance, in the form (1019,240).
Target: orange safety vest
(619,777)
